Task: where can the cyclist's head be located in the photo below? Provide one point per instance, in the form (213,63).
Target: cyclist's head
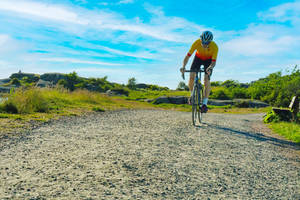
(206,37)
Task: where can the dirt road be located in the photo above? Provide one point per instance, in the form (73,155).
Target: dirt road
(147,154)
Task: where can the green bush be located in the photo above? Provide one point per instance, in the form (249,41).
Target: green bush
(9,107)
(26,101)
(239,93)
(277,89)
(220,93)
(182,86)
(131,83)
(271,117)
(97,109)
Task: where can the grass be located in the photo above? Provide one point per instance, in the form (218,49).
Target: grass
(42,104)
(291,131)
(150,94)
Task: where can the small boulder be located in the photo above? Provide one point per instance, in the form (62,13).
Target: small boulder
(41,83)
(163,99)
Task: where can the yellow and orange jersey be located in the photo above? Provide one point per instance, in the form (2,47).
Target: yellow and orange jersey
(204,53)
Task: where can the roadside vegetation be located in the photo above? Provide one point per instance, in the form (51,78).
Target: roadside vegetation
(74,95)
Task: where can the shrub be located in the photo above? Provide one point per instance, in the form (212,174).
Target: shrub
(239,93)
(271,117)
(230,83)
(26,101)
(9,107)
(131,83)
(97,109)
(220,93)
(182,86)
(274,117)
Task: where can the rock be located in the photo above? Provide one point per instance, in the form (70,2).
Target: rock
(163,99)
(117,92)
(93,88)
(3,81)
(251,103)
(53,77)
(178,100)
(215,102)
(5,89)
(141,86)
(173,100)
(42,83)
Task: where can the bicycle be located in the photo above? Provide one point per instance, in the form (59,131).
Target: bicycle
(197,95)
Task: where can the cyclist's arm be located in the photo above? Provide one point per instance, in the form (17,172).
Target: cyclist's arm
(187,57)
(214,57)
(185,61)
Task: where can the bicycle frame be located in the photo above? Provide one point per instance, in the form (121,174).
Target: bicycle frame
(197,94)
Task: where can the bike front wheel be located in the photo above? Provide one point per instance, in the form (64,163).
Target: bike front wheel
(200,98)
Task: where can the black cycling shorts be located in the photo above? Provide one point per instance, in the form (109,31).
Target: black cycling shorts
(197,62)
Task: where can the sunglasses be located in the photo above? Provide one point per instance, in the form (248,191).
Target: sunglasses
(205,43)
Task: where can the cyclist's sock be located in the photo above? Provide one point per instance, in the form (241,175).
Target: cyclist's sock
(205,100)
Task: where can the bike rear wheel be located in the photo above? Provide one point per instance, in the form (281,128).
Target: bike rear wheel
(200,98)
(195,107)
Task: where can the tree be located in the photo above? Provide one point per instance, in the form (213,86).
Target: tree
(182,86)
(230,83)
(131,83)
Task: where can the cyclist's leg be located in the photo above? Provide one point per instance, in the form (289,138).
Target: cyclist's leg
(207,86)
(195,66)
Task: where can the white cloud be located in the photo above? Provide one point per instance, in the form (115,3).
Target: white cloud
(46,11)
(161,27)
(78,61)
(10,46)
(3,39)
(256,45)
(282,13)
(126,1)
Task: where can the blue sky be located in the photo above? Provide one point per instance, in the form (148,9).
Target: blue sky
(147,39)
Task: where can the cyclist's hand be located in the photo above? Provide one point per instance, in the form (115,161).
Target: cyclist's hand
(182,72)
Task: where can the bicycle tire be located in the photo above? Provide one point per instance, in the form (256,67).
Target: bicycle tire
(195,107)
(200,99)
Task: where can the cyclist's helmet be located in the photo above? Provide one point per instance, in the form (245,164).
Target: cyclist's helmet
(206,37)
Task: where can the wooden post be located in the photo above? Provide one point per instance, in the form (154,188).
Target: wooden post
(294,106)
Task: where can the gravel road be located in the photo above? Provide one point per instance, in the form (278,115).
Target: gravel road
(148,154)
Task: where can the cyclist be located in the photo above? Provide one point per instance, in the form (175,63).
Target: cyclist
(207,51)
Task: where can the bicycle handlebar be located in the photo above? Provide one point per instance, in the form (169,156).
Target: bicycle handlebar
(201,70)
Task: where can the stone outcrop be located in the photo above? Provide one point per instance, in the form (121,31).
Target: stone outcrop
(142,86)
(172,100)
(117,92)
(42,83)
(53,77)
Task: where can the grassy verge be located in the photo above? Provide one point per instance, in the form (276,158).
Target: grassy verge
(42,104)
(291,131)
(152,94)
